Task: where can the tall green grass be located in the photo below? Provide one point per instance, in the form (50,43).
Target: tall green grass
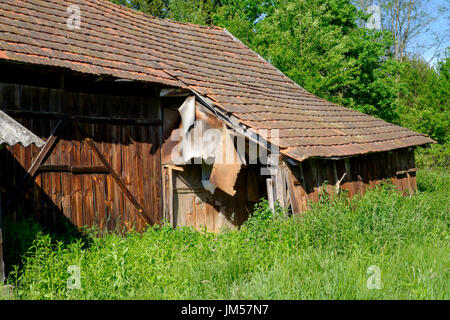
(324,254)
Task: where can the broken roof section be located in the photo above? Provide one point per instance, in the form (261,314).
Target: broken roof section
(12,133)
(123,43)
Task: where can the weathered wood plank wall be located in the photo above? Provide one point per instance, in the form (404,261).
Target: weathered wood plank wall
(355,175)
(125,129)
(195,206)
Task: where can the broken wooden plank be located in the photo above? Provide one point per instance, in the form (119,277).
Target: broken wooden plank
(296,188)
(402,172)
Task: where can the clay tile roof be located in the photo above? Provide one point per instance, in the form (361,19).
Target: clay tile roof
(116,41)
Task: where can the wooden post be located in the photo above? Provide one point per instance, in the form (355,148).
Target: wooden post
(280,186)
(168,193)
(269,182)
(351,186)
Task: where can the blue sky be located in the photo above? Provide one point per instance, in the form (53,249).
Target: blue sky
(440,25)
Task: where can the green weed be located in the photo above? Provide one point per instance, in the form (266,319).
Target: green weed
(323,254)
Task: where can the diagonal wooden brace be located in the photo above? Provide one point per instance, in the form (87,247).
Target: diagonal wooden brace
(114,175)
(42,156)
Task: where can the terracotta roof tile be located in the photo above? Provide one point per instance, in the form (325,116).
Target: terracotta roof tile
(124,43)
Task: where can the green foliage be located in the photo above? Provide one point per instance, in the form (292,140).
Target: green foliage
(240,16)
(436,156)
(319,45)
(424,98)
(156,8)
(193,11)
(324,254)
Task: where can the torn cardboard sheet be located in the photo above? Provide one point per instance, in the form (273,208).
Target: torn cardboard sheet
(211,131)
(208,141)
(201,133)
(187,112)
(224,176)
(226,167)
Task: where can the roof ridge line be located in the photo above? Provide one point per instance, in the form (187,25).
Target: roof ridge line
(264,60)
(278,70)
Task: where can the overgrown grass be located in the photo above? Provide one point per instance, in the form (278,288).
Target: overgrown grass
(325,254)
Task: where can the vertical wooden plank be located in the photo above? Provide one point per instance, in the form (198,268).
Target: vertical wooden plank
(399,167)
(280,186)
(156,173)
(118,197)
(40,102)
(348,181)
(270,196)
(358,174)
(296,188)
(406,182)
(54,178)
(66,177)
(367,165)
(55,106)
(210,219)
(390,171)
(308,184)
(302,186)
(412,175)
(375,175)
(147,171)
(98,180)
(200,215)
(127,165)
(316,179)
(138,173)
(110,208)
(168,194)
(153,145)
(331,177)
(188,217)
(76,183)
(381,167)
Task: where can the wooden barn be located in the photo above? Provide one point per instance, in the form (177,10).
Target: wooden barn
(123,100)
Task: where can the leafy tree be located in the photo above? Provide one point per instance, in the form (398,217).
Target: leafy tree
(424,98)
(193,11)
(318,44)
(240,16)
(157,8)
